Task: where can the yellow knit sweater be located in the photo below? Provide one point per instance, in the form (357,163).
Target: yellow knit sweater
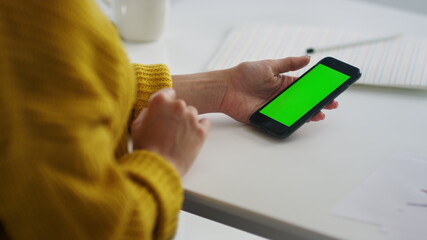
(66,94)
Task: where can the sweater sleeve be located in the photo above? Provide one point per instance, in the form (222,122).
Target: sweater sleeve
(67,91)
(149,79)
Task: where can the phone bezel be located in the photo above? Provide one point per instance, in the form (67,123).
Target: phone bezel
(280,130)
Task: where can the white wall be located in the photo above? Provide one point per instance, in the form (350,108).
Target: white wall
(419,6)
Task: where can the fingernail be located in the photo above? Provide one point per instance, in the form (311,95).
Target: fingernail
(168,91)
(165,91)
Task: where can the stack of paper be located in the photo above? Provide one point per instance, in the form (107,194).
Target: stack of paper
(394,197)
(400,61)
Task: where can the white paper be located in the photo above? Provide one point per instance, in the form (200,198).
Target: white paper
(394,197)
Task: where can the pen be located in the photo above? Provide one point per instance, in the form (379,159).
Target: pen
(351,44)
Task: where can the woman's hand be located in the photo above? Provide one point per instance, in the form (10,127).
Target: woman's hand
(171,129)
(251,84)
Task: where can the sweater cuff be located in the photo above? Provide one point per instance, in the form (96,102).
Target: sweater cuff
(151,171)
(149,79)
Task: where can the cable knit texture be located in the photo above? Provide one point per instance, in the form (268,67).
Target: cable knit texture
(67,95)
(149,79)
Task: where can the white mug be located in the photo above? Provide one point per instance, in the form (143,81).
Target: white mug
(140,20)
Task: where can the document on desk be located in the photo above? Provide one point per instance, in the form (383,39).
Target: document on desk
(388,59)
(394,197)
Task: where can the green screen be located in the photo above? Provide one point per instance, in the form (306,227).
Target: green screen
(304,94)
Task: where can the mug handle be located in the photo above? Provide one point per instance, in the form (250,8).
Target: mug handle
(106,7)
(106,2)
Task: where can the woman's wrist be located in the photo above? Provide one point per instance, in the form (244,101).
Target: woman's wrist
(205,90)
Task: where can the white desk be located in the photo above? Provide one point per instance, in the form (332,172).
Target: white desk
(193,227)
(288,188)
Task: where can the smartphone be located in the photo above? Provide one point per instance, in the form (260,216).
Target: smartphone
(305,97)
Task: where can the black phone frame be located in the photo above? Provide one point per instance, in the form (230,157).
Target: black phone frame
(280,130)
